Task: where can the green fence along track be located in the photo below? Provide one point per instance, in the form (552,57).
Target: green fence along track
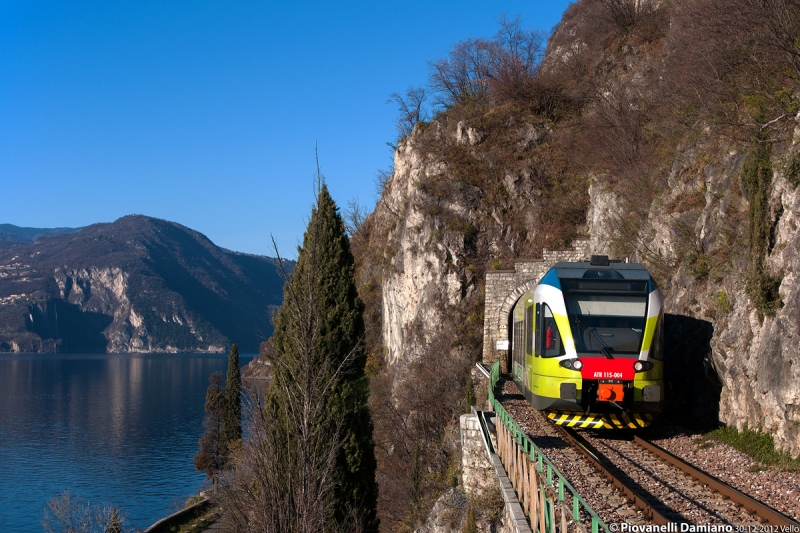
(542,490)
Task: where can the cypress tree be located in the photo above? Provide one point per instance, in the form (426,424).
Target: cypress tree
(232,420)
(320,390)
(469,398)
(213,451)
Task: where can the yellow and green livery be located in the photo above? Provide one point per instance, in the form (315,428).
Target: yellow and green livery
(587,347)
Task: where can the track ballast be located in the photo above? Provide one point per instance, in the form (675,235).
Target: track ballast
(626,483)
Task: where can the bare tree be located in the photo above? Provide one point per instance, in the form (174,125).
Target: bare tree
(67,514)
(781,29)
(411,109)
(738,61)
(626,13)
(516,53)
(274,488)
(478,69)
(110,519)
(355,215)
(410,427)
(463,76)
(381,179)
(70,513)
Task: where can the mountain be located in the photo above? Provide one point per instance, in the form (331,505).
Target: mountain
(138,284)
(12,233)
(667,134)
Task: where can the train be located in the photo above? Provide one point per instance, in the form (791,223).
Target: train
(587,344)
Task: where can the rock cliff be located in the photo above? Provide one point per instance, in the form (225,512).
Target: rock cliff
(711,210)
(703,219)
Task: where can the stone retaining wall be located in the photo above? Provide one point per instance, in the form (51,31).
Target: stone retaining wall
(480,471)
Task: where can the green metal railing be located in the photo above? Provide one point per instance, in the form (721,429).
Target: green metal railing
(541,488)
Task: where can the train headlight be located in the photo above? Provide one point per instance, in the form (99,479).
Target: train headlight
(642,366)
(571,364)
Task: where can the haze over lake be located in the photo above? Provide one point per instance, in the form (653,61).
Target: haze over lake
(114,428)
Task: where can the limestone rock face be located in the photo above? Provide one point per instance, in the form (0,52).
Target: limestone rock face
(104,291)
(757,357)
(448,513)
(697,233)
(603,206)
(744,366)
(460,200)
(427,272)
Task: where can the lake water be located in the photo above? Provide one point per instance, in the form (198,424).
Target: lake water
(116,428)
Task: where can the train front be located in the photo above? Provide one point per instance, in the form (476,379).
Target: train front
(597,359)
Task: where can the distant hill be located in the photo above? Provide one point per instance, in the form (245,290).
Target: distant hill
(12,233)
(138,284)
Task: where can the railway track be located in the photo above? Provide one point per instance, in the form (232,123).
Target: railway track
(668,489)
(634,481)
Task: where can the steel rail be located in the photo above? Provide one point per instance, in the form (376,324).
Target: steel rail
(485,371)
(772,516)
(607,469)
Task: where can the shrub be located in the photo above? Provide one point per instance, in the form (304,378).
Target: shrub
(791,169)
(761,286)
(757,444)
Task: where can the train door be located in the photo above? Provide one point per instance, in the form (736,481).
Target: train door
(550,344)
(530,328)
(518,340)
(547,347)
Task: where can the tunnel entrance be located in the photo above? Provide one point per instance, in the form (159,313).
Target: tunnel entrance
(505,287)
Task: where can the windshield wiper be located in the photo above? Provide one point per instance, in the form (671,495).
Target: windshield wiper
(595,338)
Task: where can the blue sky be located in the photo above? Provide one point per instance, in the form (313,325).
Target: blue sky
(208,113)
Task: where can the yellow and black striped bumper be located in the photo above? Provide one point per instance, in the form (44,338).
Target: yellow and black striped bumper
(605,421)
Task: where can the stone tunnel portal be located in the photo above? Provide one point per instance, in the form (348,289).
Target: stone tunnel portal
(505,287)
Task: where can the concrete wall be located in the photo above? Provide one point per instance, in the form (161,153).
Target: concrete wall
(504,287)
(166,525)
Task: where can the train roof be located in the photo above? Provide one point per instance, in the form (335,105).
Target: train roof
(599,274)
(578,269)
(598,268)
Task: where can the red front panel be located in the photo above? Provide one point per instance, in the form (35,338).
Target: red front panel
(602,368)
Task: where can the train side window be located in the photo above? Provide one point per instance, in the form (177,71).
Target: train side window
(517,347)
(657,347)
(528,329)
(537,322)
(551,344)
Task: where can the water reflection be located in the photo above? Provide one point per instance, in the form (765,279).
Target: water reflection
(113,428)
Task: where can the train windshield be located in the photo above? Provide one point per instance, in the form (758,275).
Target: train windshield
(607,324)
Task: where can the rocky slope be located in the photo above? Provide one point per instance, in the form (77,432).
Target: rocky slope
(753,356)
(475,189)
(136,285)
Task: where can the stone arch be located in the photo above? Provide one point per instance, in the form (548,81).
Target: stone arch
(511,300)
(505,287)
(503,318)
